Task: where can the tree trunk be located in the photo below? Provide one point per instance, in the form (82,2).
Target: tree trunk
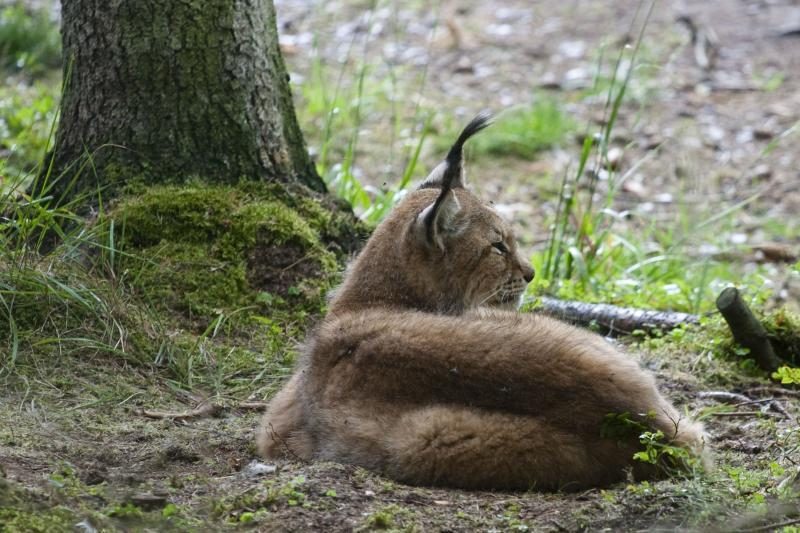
(168,90)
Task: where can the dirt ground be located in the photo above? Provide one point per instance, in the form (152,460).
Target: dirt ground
(701,141)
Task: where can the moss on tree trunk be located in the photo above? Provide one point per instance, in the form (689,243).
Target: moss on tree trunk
(168,90)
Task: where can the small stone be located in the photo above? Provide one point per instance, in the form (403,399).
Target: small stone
(635,188)
(464,66)
(763,134)
(257,468)
(745,136)
(715,134)
(738,238)
(549,82)
(664,198)
(85,526)
(572,49)
(614,157)
(762,172)
(577,78)
(148,501)
(499,30)
(369,493)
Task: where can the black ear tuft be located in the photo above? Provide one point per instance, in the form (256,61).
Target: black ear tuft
(451,176)
(455,156)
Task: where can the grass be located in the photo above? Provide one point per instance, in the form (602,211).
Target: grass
(347,105)
(595,252)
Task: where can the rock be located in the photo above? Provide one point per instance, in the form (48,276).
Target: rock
(763,134)
(549,82)
(85,526)
(761,172)
(614,157)
(664,198)
(257,468)
(572,49)
(464,66)
(635,188)
(149,501)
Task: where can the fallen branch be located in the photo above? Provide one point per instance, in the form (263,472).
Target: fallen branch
(747,330)
(740,400)
(252,406)
(723,396)
(615,319)
(772,527)
(776,391)
(738,413)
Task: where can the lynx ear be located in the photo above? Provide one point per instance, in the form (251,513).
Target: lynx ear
(438,220)
(436,177)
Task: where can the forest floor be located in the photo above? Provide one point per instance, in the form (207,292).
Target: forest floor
(710,159)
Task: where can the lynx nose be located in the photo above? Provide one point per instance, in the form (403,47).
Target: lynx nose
(528,273)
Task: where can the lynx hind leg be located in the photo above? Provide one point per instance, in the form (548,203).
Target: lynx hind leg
(281,433)
(473,449)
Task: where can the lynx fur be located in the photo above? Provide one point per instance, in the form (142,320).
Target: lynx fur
(423,370)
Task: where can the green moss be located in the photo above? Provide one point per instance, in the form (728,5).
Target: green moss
(211,282)
(280,222)
(44,520)
(21,510)
(783,328)
(189,279)
(176,214)
(202,251)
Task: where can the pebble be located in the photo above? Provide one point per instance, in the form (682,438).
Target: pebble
(761,172)
(257,468)
(148,501)
(614,157)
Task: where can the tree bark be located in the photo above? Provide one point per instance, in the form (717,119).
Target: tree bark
(167,90)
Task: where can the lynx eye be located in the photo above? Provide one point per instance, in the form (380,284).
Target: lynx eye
(501,247)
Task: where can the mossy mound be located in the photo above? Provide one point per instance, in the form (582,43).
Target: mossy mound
(204,251)
(783,328)
(22,510)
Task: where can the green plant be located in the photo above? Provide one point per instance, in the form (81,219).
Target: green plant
(388,517)
(787,375)
(658,451)
(29,39)
(27,120)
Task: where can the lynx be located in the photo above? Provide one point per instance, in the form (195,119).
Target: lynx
(424,371)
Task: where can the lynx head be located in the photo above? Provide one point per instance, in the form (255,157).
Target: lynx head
(441,249)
